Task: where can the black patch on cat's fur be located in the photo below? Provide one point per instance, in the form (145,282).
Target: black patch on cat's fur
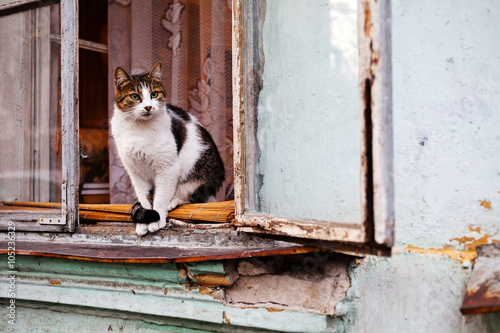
(180,133)
(143,215)
(180,112)
(209,169)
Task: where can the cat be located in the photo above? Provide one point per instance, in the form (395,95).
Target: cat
(170,157)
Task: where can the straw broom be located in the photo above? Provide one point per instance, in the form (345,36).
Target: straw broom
(213,212)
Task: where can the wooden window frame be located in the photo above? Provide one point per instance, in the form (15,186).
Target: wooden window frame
(375,233)
(67,219)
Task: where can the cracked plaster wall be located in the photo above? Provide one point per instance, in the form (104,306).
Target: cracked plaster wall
(306,283)
(446,100)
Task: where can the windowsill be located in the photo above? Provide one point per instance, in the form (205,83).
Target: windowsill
(201,232)
(117,242)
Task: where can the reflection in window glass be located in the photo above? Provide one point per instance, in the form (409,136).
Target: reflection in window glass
(308,135)
(30,160)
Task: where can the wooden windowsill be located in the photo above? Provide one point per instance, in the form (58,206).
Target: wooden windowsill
(144,254)
(117,243)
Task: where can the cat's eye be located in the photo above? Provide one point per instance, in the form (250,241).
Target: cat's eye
(154,94)
(135,97)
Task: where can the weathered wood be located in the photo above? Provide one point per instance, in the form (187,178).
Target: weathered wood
(83,44)
(217,82)
(262,223)
(374,31)
(70,114)
(253,67)
(376,185)
(238,109)
(26,219)
(144,254)
(9,7)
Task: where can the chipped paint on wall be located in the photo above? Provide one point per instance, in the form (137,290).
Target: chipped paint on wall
(465,256)
(459,248)
(471,242)
(485,203)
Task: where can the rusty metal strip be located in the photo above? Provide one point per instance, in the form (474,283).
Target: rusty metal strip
(483,291)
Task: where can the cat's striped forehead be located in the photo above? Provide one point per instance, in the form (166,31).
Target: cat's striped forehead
(144,80)
(138,82)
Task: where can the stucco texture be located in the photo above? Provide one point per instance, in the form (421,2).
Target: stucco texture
(446,93)
(446,100)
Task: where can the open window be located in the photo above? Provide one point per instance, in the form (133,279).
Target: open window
(312,115)
(307,86)
(58,135)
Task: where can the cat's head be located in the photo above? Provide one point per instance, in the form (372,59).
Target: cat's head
(142,97)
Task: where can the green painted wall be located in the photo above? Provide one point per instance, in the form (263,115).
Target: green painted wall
(140,295)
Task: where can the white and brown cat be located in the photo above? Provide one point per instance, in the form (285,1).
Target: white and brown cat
(170,157)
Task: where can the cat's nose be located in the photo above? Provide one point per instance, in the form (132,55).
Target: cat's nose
(148,108)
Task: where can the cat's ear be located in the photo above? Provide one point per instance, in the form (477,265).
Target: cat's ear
(155,73)
(121,77)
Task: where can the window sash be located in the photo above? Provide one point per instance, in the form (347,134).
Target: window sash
(70,115)
(8,7)
(67,218)
(376,227)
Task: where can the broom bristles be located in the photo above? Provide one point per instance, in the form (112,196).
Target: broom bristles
(214,212)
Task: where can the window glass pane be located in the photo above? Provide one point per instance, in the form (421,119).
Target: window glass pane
(305,146)
(30,147)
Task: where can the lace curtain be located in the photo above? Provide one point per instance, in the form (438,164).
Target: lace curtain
(192,38)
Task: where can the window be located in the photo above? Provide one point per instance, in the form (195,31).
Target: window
(298,171)
(41,142)
(301,92)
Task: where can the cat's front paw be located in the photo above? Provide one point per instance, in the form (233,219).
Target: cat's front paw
(141,229)
(173,204)
(155,226)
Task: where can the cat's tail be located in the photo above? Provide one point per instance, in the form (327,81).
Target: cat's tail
(142,215)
